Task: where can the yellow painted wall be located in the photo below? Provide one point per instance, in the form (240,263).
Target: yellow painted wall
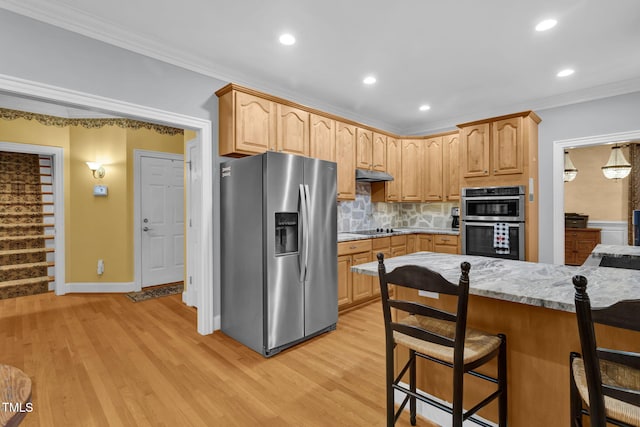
(591,193)
(24,131)
(96,227)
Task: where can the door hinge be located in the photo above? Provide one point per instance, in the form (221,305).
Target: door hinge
(190,280)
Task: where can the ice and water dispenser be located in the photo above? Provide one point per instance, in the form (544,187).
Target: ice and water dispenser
(286,233)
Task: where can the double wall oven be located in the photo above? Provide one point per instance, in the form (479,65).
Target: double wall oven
(488,211)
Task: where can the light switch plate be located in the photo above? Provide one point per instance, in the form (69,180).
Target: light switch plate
(100,190)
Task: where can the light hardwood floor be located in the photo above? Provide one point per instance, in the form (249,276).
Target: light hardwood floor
(101,360)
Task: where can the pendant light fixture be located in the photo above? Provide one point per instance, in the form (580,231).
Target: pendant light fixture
(617,167)
(570,170)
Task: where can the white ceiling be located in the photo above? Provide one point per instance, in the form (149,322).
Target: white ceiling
(467,59)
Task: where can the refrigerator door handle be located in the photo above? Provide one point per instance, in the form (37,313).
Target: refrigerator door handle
(305,242)
(307,226)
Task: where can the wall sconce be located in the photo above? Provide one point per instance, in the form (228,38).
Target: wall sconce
(97,169)
(617,167)
(570,170)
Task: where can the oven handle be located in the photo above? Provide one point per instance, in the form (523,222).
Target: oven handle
(491,224)
(472,198)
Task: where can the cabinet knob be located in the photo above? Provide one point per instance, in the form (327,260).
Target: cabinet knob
(486,171)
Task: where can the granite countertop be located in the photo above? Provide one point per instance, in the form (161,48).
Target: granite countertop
(611,251)
(347,237)
(537,284)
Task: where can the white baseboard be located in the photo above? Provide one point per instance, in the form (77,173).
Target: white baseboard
(612,232)
(189,298)
(216,323)
(431,413)
(117,287)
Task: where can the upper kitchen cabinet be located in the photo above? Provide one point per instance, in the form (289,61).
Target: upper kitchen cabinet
(411,173)
(494,148)
(389,191)
(322,144)
(432,172)
(364,149)
(379,153)
(292,130)
(247,123)
(346,156)
(451,166)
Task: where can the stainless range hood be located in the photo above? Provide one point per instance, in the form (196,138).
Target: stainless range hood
(372,176)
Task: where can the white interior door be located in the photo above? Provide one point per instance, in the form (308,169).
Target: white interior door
(162,216)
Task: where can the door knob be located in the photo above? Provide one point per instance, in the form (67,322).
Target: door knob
(146,229)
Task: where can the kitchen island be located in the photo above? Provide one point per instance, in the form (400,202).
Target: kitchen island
(613,251)
(533,305)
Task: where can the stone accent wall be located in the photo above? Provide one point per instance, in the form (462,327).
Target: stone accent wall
(362,214)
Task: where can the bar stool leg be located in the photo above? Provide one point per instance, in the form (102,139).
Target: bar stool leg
(575,401)
(502,381)
(391,411)
(412,387)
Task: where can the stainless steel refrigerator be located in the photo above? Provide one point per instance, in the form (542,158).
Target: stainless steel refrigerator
(278,250)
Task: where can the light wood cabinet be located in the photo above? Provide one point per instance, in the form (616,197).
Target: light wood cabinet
(432,170)
(364,149)
(247,124)
(390,247)
(379,152)
(451,166)
(390,191)
(412,155)
(445,243)
(322,138)
(495,148)
(344,280)
(412,243)
(578,244)
(425,242)
(353,288)
(346,156)
(292,131)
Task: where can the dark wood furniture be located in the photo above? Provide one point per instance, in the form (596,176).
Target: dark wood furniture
(578,244)
(438,336)
(607,380)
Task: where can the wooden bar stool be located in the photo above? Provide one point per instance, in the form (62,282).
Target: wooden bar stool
(607,380)
(441,337)
(15,395)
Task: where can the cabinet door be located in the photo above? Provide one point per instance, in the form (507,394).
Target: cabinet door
(394,168)
(322,143)
(411,189)
(344,280)
(432,171)
(346,157)
(293,131)
(255,124)
(507,145)
(364,149)
(379,152)
(451,166)
(412,243)
(475,150)
(361,283)
(425,242)
(445,244)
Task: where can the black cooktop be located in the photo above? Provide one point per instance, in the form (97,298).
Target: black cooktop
(374,231)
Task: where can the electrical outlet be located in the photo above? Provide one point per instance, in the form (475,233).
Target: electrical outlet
(100,267)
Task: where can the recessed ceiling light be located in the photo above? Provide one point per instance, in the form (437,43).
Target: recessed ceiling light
(369,80)
(287,39)
(566,72)
(545,25)
(425,107)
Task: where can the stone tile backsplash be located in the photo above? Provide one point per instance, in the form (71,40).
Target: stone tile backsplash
(362,214)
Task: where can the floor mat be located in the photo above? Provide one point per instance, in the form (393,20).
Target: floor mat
(156,292)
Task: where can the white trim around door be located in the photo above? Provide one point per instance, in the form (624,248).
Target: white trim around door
(558,182)
(203,129)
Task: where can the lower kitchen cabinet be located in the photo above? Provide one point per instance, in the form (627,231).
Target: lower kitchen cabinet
(578,244)
(446,244)
(353,288)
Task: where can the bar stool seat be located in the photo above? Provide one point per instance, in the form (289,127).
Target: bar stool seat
(477,344)
(614,375)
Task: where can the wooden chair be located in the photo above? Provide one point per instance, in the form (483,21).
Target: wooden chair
(441,337)
(607,380)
